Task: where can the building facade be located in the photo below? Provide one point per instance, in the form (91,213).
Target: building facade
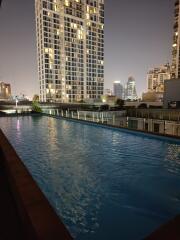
(108,92)
(152,96)
(176,42)
(5,91)
(70,43)
(118,89)
(130,90)
(156,78)
(171,93)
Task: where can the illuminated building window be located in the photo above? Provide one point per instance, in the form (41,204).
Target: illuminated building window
(70,49)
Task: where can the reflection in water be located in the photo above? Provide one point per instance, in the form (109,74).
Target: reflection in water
(173,158)
(76,202)
(18,125)
(18,130)
(105,184)
(52,132)
(78,187)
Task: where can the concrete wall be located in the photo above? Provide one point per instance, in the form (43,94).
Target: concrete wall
(164,127)
(171,91)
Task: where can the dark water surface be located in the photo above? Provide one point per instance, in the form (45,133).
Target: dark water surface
(104,183)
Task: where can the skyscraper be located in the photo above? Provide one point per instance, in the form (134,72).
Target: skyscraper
(157,76)
(118,89)
(70,43)
(130,91)
(175,72)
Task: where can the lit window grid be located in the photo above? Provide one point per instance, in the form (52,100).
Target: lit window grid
(156,78)
(175,71)
(90,70)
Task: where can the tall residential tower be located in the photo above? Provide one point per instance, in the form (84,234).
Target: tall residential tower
(70,43)
(175,71)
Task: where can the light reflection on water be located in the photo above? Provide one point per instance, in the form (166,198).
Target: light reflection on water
(173,158)
(104,183)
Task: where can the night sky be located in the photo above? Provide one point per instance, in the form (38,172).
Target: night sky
(138,36)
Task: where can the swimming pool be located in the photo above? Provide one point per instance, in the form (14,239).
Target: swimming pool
(104,183)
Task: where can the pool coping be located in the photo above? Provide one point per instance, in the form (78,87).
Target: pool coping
(39,219)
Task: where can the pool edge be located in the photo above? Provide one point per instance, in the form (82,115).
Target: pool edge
(38,218)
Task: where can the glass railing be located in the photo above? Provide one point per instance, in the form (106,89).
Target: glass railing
(140,122)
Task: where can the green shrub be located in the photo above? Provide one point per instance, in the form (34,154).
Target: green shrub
(36,108)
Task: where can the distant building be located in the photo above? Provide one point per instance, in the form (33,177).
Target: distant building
(176,42)
(157,76)
(108,92)
(118,89)
(130,90)
(5,91)
(22,97)
(110,100)
(152,96)
(171,93)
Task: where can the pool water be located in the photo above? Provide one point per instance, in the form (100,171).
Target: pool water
(104,183)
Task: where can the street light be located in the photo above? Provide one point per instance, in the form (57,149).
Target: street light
(16,101)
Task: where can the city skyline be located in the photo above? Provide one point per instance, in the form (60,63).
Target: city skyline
(151,33)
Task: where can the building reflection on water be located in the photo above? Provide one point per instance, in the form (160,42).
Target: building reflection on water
(90,173)
(77,196)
